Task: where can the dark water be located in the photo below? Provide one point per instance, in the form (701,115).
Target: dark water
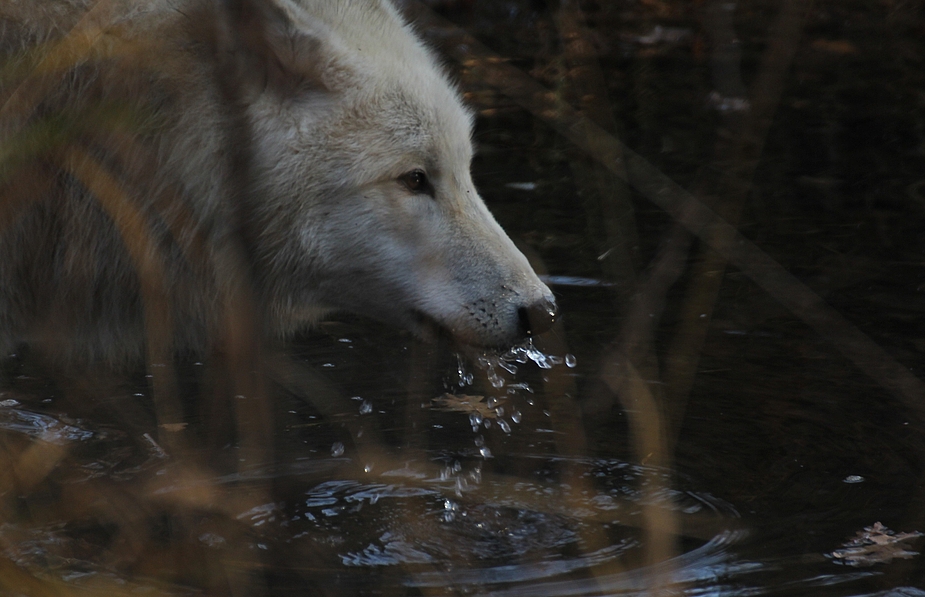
(744,416)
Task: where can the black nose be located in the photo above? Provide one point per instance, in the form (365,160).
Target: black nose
(539,317)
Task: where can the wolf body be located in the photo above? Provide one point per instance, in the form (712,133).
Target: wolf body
(159,148)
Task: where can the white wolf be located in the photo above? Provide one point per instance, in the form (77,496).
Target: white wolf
(319,136)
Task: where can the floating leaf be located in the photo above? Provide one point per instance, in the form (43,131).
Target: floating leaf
(467,404)
(875,545)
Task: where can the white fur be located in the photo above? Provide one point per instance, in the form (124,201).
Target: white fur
(359,103)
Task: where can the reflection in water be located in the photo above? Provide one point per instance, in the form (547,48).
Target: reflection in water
(501,536)
(704,570)
(444,519)
(43,427)
(574,281)
(493,531)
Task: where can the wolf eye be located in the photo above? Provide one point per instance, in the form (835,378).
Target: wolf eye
(417,182)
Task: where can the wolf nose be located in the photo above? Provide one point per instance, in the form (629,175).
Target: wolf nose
(539,317)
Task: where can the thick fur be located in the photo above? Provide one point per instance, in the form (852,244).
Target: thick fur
(271,137)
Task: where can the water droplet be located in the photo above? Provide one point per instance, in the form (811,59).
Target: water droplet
(461,486)
(542,362)
(366,407)
(516,417)
(368,468)
(505,427)
(537,356)
(486,423)
(450,508)
(522,386)
(485,452)
(465,378)
(854,479)
(337,449)
(570,361)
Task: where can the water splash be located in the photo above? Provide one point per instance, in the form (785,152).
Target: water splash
(465,378)
(484,452)
(520,354)
(499,369)
(450,509)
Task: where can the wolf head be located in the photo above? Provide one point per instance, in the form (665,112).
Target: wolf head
(362,198)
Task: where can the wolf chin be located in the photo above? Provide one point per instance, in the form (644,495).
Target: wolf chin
(158,152)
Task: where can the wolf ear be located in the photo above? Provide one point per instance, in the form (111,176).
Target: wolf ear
(269,51)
